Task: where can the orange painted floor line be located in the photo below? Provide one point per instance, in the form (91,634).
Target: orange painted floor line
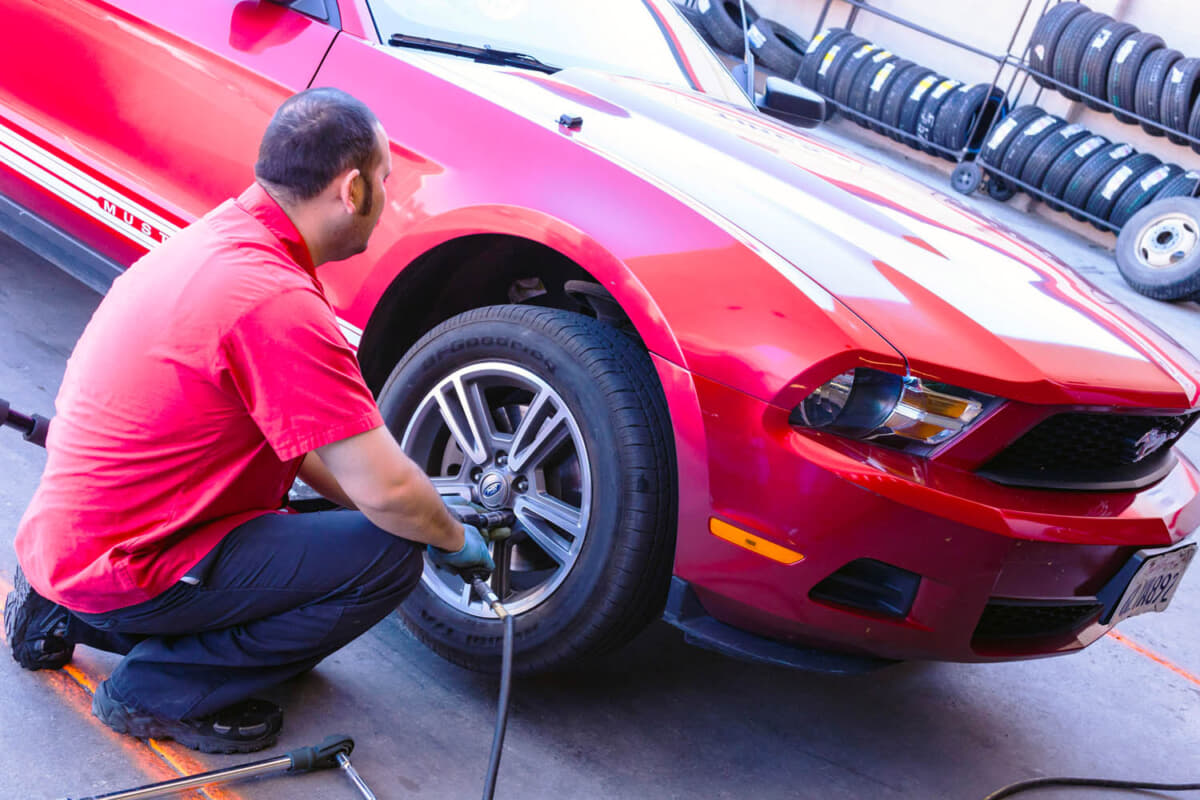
(1155,657)
(160,760)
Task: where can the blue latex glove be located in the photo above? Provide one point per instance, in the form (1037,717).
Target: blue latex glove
(473,554)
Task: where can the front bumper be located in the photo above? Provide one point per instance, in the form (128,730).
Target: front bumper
(1004,572)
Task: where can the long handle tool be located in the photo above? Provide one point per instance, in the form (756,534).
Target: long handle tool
(34,427)
(333,752)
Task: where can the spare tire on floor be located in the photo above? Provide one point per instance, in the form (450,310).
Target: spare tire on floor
(777,47)
(723,21)
(1158,251)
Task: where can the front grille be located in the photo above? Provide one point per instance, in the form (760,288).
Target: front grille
(1016,620)
(1106,452)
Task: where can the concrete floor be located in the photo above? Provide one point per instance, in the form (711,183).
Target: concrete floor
(658,719)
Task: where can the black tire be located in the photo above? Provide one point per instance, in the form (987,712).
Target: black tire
(1152,78)
(1124,70)
(1106,194)
(1045,39)
(1089,176)
(1098,59)
(1185,185)
(1193,127)
(1003,132)
(910,109)
(1068,55)
(1000,189)
(723,21)
(927,117)
(817,48)
(1179,97)
(860,88)
(965,119)
(777,47)
(881,85)
(1066,165)
(1140,193)
(835,58)
(605,388)
(1048,151)
(1026,141)
(1157,252)
(900,93)
(858,60)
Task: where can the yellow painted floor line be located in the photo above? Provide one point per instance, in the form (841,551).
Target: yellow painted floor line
(1155,657)
(160,760)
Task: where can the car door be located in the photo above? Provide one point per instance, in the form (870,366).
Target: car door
(122,120)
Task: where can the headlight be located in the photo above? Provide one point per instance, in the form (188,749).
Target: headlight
(866,403)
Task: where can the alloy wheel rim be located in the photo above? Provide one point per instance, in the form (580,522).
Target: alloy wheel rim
(497,434)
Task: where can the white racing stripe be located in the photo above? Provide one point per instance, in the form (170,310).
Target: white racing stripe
(103,203)
(128,217)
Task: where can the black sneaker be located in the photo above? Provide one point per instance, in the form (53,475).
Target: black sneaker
(36,628)
(241,728)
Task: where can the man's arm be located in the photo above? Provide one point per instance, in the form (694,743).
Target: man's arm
(374,474)
(314,472)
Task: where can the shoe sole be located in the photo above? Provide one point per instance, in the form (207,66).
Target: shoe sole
(124,720)
(23,651)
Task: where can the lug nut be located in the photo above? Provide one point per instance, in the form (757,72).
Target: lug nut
(501,459)
(521,485)
(476,474)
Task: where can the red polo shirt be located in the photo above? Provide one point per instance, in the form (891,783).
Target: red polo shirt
(207,372)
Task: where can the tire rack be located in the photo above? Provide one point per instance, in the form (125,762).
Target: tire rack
(1019,80)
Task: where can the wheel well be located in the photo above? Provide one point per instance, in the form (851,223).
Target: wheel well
(474,271)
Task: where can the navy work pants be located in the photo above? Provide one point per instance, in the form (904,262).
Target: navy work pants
(276,596)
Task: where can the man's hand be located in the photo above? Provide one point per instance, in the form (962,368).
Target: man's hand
(473,555)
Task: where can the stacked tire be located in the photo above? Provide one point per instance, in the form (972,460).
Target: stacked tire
(1112,65)
(1079,170)
(776,47)
(897,97)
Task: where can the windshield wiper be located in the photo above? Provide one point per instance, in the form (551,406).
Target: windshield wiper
(484,55)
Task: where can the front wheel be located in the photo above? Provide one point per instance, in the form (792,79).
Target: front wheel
(561,419)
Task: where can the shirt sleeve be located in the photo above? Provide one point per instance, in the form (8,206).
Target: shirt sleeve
(296,375)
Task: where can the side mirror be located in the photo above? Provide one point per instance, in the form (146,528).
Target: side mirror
(792,103)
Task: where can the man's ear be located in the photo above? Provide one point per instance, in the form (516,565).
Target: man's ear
(350,190)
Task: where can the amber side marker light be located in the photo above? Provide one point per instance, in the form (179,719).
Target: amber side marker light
(753,543)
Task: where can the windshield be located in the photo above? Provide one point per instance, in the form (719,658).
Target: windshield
(624,37)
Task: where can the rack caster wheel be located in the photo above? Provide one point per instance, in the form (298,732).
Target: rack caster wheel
(966,177)
(999,189)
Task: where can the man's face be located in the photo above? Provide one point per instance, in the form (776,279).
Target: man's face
(359,226)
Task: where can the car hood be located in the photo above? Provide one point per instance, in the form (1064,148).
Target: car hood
(963,299)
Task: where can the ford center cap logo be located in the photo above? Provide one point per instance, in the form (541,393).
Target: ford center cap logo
(491,490)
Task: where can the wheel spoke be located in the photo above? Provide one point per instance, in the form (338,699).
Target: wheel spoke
(546,519)
(448,485)
(552,432)
(463,411)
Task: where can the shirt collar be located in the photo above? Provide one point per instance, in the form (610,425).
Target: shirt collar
(263,208)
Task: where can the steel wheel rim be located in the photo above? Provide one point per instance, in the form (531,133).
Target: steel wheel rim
(1167,240)
(498,424)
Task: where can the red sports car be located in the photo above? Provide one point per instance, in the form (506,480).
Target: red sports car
(809,411)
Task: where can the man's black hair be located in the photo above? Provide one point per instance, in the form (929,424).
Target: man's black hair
(313,137)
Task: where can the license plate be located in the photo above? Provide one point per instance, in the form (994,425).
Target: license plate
(1153,584)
